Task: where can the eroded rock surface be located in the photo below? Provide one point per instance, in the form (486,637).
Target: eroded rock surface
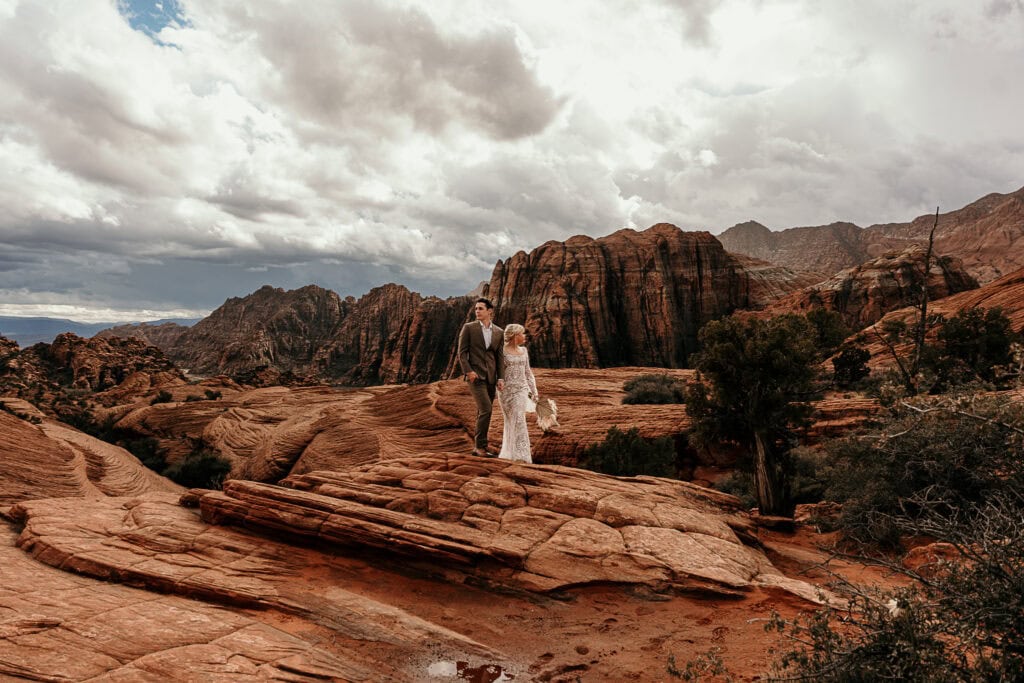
(630,298)
(536,527)
(862,295)
(58,626)
(49,459)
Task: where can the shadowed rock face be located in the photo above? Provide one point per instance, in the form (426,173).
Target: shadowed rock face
(310,335)
(631,298)
(864,294)
(986,235)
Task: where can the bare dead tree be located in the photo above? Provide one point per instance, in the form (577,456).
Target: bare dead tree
(922,321)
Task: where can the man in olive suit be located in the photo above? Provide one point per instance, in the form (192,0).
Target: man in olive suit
(482,364)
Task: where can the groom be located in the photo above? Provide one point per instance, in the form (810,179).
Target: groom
(482,365)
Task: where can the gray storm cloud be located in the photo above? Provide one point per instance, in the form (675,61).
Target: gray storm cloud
(355,143)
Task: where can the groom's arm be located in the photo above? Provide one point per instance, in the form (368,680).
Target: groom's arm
(463,352)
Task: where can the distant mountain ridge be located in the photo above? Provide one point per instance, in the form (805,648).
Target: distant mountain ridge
(29,331)
(633,297)
(388,335)
(986,235)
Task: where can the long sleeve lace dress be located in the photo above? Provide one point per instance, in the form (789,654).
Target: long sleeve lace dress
(520,386)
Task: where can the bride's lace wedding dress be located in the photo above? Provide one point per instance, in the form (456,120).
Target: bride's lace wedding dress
(515,402)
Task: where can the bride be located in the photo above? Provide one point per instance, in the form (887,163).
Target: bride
(517,397)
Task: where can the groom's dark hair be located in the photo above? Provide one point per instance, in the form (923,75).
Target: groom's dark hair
(485,302)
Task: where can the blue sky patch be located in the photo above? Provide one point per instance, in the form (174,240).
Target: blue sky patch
(150,16)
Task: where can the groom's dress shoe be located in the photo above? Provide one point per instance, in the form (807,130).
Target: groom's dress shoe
(484,454)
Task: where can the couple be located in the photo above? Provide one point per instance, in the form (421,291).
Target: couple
(491,358)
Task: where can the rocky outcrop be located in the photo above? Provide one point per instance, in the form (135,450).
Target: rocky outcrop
(631,298)
(7,349)
(393,335)
(164,336)
(310,335)
(57,376)
(270,328)
(529,526)
(825,249)
(1006,293)
(986,235)
(864,294)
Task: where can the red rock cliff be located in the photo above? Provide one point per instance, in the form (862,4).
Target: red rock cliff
(631,298)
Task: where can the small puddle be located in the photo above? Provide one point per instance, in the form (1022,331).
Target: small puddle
(483,673)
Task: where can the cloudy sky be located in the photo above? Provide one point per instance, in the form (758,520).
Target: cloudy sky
(159,157)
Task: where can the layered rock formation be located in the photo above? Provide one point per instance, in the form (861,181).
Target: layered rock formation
(310,335)
(825,249)
(164,336)
(51,375)
(631,298)
(862,295)
(535,527)
(393,335)
(986,235)
(270,433)
(1006,293)
(43,458)
(269,328)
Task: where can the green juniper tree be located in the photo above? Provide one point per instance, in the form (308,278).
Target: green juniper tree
(756,378)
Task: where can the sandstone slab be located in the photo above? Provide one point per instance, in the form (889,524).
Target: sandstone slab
(641,530)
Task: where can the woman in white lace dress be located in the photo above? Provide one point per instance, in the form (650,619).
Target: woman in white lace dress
(517,397)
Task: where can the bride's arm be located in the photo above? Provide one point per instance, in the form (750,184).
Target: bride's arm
(530,379)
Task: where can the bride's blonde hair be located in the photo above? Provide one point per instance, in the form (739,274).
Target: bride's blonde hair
(512,330)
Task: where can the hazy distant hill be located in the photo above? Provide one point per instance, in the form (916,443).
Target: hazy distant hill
(28,331)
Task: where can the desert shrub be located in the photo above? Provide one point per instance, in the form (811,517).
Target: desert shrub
(959,455)
(163,396)
(193,397)
(962,616)
(201,468)
(829,330)
(628,454)
(212,394)
(654,389)
(850,366)
(972,345)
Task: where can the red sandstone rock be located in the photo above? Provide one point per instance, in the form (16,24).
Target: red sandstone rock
(985,235)
(631,298)
(58,626)
(1006,293)
(537,527)
(862,295)
(164,336)
(50,459)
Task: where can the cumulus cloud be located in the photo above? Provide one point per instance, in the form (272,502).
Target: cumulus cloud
(166,159)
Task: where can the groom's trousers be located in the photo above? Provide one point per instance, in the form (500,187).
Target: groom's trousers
(483,395)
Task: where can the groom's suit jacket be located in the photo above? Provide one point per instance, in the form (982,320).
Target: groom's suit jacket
(486,361)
